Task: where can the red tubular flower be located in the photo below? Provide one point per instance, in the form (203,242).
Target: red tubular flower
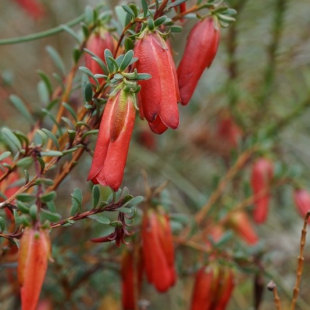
(32,264)
(204,288)
(180,8)
(302,201)
(159,95)
(262,173)
(157,249)
(113,141)
(240,223)
(200,50)
(224,290)
(7,188)
(97,43)
(32,7)
(129,298)
(228,131)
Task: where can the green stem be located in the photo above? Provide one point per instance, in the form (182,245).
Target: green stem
(42,34)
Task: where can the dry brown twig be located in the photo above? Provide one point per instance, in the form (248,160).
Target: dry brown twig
(273,288)
(300,261)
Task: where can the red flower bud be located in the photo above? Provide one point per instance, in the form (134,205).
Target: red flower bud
(129,283)
(302,201)
(240,223)
(32,264)
(97,43)
(113,141)
(204,288)
(159,95)
(200,50)
(32,7)
(262,173)
(158,250)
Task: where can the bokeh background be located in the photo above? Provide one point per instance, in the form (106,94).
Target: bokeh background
(260,75)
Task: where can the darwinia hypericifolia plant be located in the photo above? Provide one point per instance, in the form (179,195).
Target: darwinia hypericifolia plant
(129,67)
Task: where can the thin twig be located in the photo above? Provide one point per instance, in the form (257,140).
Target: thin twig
(273,288)
(300,261)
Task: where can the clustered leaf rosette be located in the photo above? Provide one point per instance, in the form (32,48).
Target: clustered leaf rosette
(113,140)
(159,96)
(262,174)
(157,249)
(34,251)
(302,201)
(213,287)
(200,51)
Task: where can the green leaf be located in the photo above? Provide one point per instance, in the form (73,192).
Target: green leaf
(43,93)
(2,224)
(52,137)
(56,59)
(46,81)
(126,60)
(108,59)
(95,195)
(125,210)
(89,14)
(25,197)
(145,7)
(133,202)
(5,155)
(128,43)
(52,153)
(51,206)
(25,162)
(51,116)
(100,218)
(176,3)
(143,76)
(67,121)
(98,60)
(70,110)
(77,198)
(159,21)
(20,106)
(88,92)
(76,54)
(176,29)
(10,139)
(50,216)
(128,10)
(22,207)
(71,32)
(48,197)
(42,163)
(44,181)
(91,132)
